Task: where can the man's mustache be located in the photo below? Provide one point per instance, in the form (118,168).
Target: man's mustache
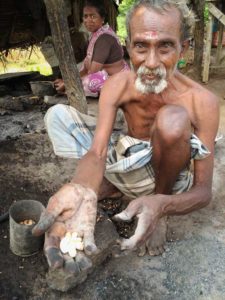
(146,71)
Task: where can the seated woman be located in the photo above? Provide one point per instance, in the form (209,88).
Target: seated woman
(104,53)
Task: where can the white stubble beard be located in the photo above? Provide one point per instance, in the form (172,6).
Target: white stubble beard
(151,86)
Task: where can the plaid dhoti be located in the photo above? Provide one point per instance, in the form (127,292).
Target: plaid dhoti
(128,164)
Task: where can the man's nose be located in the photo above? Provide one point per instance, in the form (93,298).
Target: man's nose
(152,59)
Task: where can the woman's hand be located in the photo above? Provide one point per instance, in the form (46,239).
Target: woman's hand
(59,86)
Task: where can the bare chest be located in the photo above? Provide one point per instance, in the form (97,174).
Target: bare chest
(141,115)
(140,118)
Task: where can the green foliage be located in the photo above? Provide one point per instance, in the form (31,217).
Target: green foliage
(206,13)
(121,19)
(125,5)
(24,60)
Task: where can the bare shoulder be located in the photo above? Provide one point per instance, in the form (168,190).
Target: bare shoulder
(205,96)
(203,100)
(119,87)
(204,111)
(202,93)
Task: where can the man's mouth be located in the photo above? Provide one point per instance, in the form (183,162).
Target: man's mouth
(151,81)
(150,76)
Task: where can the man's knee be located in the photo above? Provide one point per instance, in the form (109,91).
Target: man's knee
(55,114)
(172,124)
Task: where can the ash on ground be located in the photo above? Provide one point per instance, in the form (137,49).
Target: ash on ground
(114,206)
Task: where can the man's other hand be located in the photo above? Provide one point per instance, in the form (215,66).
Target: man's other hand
(148,211)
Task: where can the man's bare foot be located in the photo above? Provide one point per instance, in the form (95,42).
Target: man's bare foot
(155,244)
(108,190)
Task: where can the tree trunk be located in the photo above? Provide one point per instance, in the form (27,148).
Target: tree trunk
(199,34)
(64,51)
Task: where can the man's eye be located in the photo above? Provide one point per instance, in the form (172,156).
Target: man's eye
(139,45)
(166,45)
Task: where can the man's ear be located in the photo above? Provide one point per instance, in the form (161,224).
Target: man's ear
(184,47)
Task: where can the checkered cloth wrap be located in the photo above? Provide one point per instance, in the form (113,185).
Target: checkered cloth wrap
(128,164)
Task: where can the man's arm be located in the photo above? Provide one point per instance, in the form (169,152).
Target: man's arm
(149,209)
(91,167)
(207,113)
(73,208)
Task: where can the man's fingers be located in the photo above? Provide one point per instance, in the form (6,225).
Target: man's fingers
(83,261)
(54,258)
(139,236)
(45,222)
(126,215)
(123,216)
(89,244)
(51,246)
(54,208)
(70,265)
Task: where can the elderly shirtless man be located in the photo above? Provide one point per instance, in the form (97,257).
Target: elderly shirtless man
(170,119)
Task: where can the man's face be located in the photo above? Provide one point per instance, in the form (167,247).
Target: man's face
(155,47)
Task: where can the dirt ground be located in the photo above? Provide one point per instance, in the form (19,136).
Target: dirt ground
(191,268)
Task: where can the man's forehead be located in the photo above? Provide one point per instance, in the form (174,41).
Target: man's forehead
(152,34)
(151,23)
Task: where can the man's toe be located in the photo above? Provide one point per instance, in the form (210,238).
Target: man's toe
(156,251)
(141,250)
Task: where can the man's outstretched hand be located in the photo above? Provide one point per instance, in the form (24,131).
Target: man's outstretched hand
(72,209)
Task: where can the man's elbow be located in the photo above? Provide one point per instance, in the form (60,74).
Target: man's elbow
(206,198)
(98,154)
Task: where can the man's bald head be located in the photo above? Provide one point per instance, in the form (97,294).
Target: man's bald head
(187,19)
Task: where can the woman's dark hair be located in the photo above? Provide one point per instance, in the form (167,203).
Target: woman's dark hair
(99,5)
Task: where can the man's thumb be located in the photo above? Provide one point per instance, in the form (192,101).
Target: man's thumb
(127,214)
(45,222)
(123,216)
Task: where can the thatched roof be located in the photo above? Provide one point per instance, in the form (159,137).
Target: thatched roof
(23,23)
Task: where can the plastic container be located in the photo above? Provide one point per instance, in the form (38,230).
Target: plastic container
(22,242)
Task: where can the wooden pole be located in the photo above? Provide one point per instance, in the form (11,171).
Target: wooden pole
(207,49)
(64,51)
(216,13)
(199,34)
(220,43)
